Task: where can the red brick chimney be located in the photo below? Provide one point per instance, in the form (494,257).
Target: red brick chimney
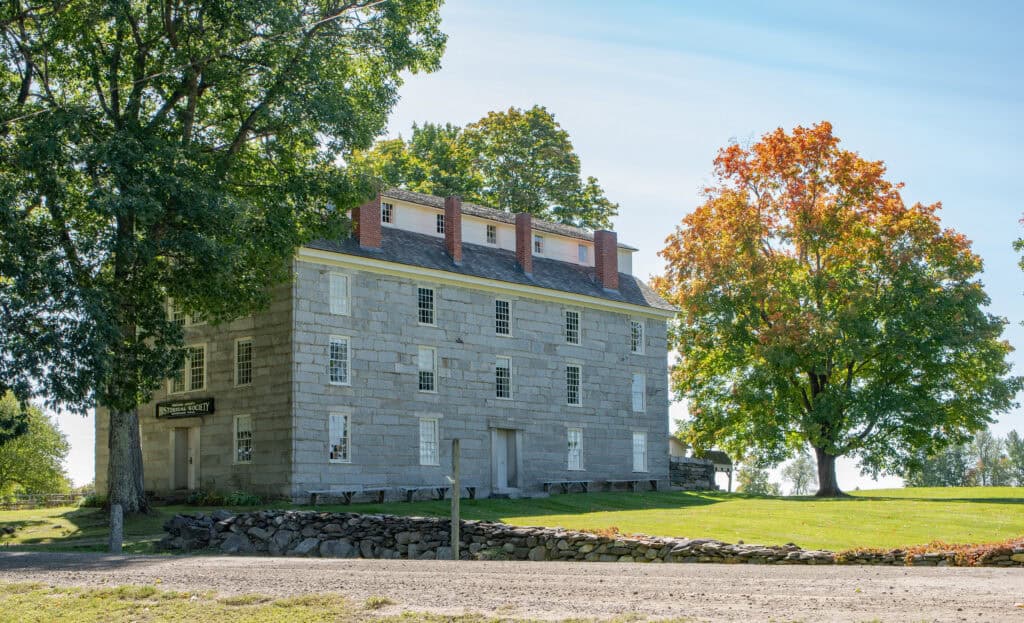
(453,228)
(366,222)
(524,242)
(606,259)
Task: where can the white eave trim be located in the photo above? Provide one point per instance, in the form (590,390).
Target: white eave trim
(334,258)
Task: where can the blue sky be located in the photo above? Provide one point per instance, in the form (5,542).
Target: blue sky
(650,90)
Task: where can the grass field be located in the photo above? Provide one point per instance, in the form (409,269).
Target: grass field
(880,518)
(24,603)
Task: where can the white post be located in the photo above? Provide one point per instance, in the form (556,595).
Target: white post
(456,494)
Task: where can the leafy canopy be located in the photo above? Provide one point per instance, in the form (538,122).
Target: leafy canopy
(817,307)
(32,463)
(174,149)
(515,160)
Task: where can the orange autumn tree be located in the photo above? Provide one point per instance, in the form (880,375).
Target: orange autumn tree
(817,308)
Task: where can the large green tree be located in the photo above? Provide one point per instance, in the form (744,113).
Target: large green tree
(33,462)
(515,160)
(816,307)
(173,148)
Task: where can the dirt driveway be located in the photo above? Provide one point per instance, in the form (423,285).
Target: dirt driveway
(562,590)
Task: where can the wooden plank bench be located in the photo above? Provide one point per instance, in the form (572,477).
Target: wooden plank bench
(633,483)
(567,485)
(346,493)
(437,490)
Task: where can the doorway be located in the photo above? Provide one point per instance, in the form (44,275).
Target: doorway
(504,459)
(184,458)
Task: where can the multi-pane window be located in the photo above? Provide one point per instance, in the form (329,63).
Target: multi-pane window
(639,391)
(192,374)
(538,244)
(243,439)
(429,444)
(425,305)
(387,213)
(243,361)
(339,293)
(572,327)
(583,253)
(338,360)
(427,363)
(502,317)
(339,439)
(440,223)
(492,234)
(503,377)
(575,449)
(179,316)
(572,385)
(639,452)
(636,336)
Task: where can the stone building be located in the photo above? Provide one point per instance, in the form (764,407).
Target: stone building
(529,341)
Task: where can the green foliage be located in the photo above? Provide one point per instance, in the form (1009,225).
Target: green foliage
(202,497)
(93,500)
(801,473)
(950,467)
(1015,453)
(818,308)
(152,150)
(515,160)
(755,480)
(242,498)
(33,461)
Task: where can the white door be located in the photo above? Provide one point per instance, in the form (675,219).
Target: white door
(500,457)
(193,458)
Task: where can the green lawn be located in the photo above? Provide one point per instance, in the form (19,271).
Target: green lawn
(880,518)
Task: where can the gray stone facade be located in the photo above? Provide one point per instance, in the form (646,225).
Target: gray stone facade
(291,398)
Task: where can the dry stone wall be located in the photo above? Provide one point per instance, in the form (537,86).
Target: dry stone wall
(692,474)
(351,535)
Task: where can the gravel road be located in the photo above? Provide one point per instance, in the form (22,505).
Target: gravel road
(553,590)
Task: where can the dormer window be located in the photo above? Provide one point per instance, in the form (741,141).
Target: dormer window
(440,223)
(387,213)
(492,234)
(538,244)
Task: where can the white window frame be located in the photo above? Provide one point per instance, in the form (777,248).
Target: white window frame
(637,336)
(498,318)
(538,244)
(566,314)
(420,309)
(237,454)
(387,213)
(340,303)
(420,350)
(574,456)
(340,452)
(491,234)
(186,370)
(638,394)
(439,224)
(238,362)
(430,445)
(583,253)
(187,320)
(507,361)
(347,360)
(639,459)
(579,385)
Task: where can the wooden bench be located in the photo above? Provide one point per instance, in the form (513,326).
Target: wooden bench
(632,483)
(346,493)
(438,490)
(567,485)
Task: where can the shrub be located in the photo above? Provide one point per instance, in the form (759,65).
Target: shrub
(93,500)
(201,497)
(242,498)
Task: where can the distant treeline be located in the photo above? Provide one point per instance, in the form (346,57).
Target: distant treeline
(987,461)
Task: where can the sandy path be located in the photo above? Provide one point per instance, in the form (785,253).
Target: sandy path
(560,590)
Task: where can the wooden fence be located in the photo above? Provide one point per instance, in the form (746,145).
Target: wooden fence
(41,500)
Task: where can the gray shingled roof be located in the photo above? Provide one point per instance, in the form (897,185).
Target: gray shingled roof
(425,251)
(501,216)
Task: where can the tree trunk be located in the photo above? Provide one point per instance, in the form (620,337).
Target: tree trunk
(828,486)
(124,466)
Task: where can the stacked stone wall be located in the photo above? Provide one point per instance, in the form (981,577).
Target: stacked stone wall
(350,535)
(692,474)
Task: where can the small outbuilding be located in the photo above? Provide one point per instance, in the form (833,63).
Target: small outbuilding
(721,461)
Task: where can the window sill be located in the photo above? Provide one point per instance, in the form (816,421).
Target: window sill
(427,391)
(338,384)
(504,398)
(336,462)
